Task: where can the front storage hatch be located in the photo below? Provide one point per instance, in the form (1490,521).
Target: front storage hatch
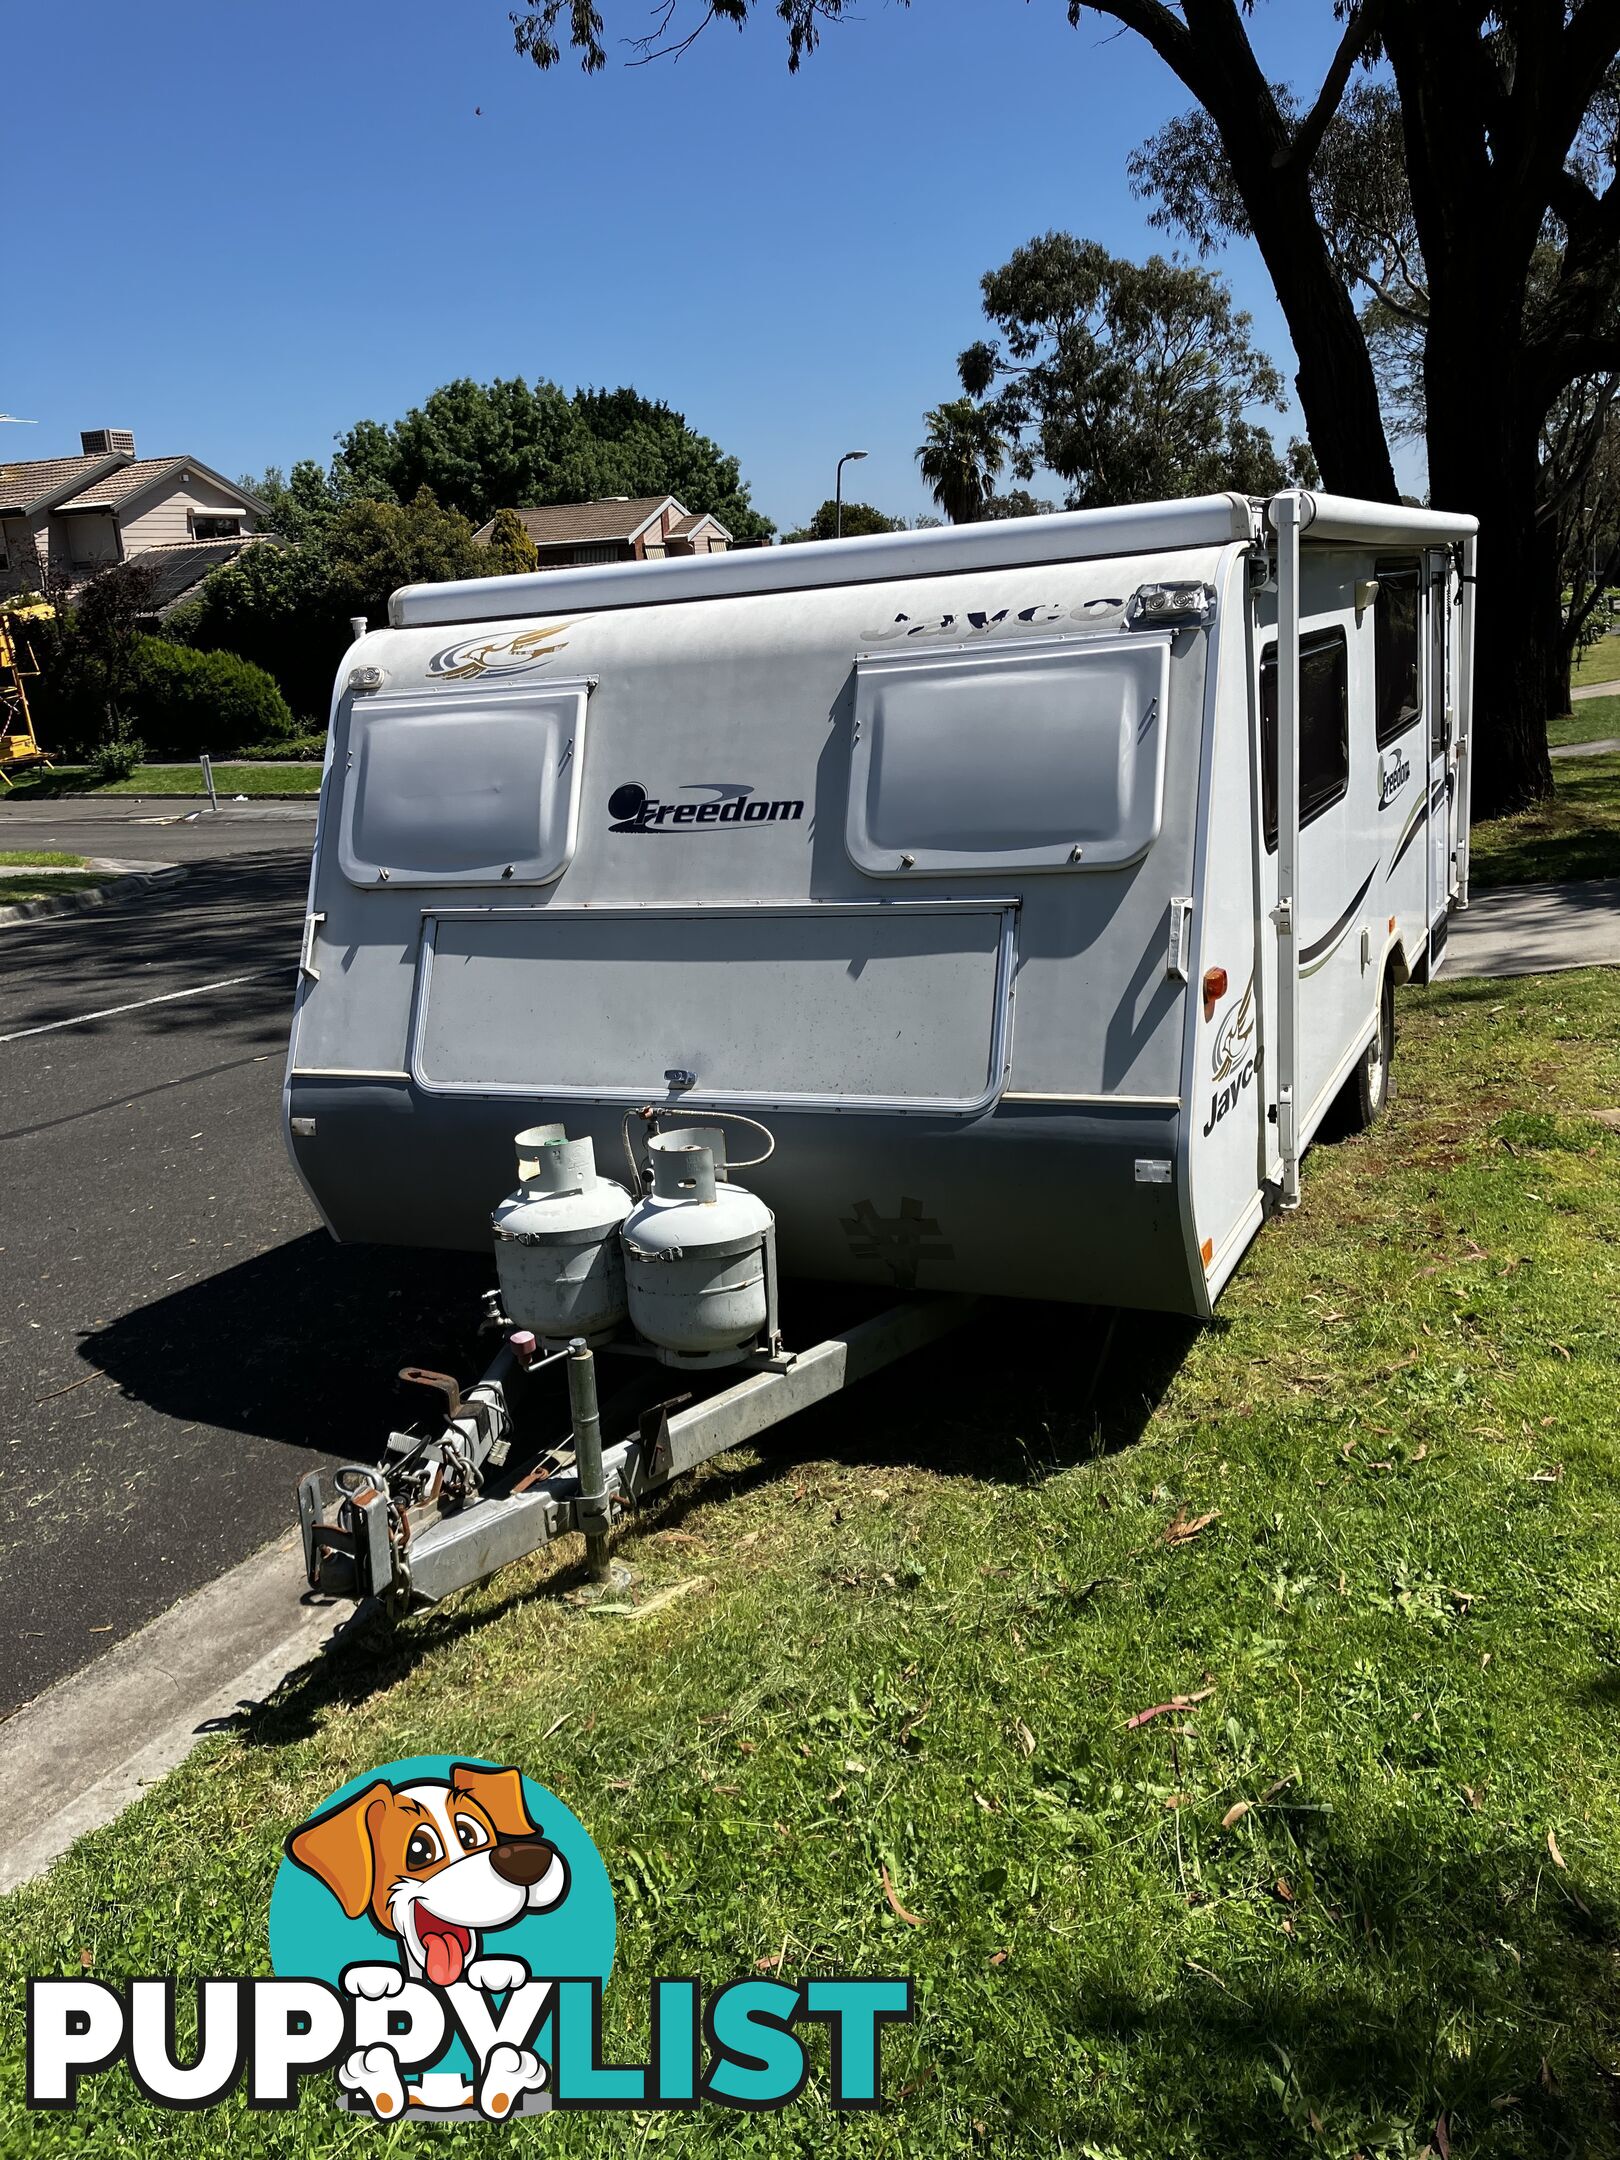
(902,1005)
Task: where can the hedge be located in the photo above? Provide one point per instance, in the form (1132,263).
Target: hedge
(187,701)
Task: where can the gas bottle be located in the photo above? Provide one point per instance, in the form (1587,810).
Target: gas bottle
(698,1254)
(557,1241)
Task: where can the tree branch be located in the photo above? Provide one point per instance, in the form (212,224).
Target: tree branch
(1359,33)
(1163,29)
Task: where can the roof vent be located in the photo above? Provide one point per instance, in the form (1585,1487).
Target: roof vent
(107,442)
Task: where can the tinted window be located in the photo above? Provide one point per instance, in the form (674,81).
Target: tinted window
(1397,617)
(1324,726)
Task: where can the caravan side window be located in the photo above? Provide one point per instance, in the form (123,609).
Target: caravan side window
(1397,620)
(1324,726)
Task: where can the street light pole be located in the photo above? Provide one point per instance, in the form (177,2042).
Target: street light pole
(848,458)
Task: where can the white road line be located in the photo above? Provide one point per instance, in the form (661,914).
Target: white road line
(111,1012)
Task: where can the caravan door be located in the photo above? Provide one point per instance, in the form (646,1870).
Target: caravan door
(1442,737)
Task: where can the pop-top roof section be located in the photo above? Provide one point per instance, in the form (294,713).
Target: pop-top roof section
(1068,536)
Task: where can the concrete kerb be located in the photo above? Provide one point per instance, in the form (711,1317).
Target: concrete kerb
(91,1744)
(122,887)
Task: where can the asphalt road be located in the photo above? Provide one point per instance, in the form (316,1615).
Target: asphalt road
(179,1338)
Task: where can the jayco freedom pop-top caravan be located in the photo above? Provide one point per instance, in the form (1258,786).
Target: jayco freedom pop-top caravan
(1042,884)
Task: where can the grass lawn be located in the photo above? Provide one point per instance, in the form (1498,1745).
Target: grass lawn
(1576,835)
(1600,663)
(1365,1877)
(1593,720)
(39,859)
(17,886)
(172,780)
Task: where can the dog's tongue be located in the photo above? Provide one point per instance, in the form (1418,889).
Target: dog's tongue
(442,1954)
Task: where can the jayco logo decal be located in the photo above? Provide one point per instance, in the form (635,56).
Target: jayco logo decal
(969,623)
(708,805)
(441,1932)
(1236,1062)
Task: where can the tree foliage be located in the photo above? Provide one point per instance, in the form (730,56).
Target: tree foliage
(483,447)
(859,518)
(961,457)
(1131,381)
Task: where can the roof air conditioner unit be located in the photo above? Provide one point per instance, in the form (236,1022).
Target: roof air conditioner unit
(107,442)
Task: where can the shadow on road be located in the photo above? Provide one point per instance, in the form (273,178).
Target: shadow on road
(302,1344)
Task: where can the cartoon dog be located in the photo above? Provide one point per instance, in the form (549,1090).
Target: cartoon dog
(437,1865)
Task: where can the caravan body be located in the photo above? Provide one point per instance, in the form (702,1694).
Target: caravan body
(1035,882)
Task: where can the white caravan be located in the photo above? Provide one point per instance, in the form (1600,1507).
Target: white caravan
(1042,884)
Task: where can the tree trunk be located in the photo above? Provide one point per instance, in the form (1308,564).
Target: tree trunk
(1337,388)
(1483,458)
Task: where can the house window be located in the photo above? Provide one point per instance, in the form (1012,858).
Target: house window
(216,524)
(1324,726)
(1397,616)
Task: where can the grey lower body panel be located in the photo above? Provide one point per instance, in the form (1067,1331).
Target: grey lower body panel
(1029,1200)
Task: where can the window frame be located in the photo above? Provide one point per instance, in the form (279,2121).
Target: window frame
(1392,568)
(1311,641)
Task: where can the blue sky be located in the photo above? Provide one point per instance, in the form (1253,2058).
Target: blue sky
(254,224)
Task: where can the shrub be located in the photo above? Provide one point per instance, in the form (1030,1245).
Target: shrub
(307,749)
(116,758)
(187,701)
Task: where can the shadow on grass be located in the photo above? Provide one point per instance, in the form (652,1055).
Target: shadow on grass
(1047,1387)
(1395,2002)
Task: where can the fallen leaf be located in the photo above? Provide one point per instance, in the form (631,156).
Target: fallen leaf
(1283,1890)
(1552,1847)
(1442,2138)
(1235,1813)
(1471,1796)
(998,1957)
(87,1959)
(768,1964)
(1182,1531)
(1024,1737)
(556,1725)
(910,1918)
(1506,2100)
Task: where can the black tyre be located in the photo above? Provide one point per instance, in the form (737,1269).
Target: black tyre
(1368,1091)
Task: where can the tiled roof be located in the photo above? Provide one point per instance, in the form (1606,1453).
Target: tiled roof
(179,568)
(685,525)
(564,524)
(116,487)
(34,480)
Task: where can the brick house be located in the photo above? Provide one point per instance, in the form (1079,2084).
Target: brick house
(620,528)
(63,519)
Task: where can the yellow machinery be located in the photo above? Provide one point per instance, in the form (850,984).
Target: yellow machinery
(19,745)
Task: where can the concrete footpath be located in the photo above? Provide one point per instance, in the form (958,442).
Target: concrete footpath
(80,1753)
(1537,929)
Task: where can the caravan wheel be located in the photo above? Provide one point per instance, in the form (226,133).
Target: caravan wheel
(1373,1081)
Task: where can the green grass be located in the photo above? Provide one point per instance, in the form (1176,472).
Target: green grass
(172,780)
(1599,663)
(16,889)
(40,859)
(928,1614)
(1576,835)
(1593,720)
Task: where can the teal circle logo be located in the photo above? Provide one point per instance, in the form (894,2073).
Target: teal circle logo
(450,1871)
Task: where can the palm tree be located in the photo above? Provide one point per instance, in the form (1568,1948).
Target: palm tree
(961,458)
